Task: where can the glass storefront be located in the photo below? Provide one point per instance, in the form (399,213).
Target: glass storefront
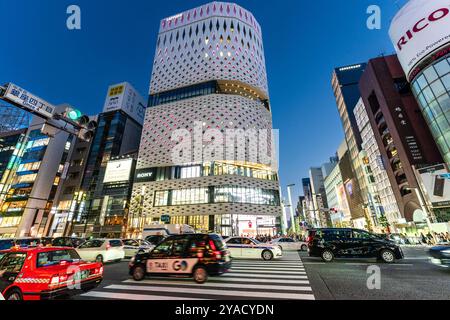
(231,225)
(220,194)
(432,90)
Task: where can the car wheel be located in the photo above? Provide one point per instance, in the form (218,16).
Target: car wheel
(304,247)
(267,255)
(138,273)
(387,256)
(99,258)
(14,294)
(200,275)
(327,255)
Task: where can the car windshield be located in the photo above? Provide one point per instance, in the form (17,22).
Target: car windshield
(92,244)
(12,262)
(50,258)
(27,242)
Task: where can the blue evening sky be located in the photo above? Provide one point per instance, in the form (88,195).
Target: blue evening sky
(304,41)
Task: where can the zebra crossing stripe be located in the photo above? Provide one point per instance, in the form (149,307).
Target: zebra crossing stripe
(229,293)
(129,296)
(224,285)
(267,265)
(272,269)
(253,271)
(252,275)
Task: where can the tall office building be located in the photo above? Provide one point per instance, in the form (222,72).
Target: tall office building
(102,204)
(421,37)
(401,133)
(209,78)
(36,171)
(377,176)
(345,86)
(69,196)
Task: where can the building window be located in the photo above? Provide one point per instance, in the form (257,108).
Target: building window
(190,172)
(189,196)
(161,198)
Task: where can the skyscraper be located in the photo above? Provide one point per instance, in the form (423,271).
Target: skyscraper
(103,202)
(401,133)
(345,86)
(209,80)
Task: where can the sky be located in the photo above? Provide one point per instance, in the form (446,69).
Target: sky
(303,40)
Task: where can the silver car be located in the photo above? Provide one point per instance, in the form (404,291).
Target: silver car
(135,246)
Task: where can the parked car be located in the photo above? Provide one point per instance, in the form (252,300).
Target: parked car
(135,246)
(102,250)
(329,243)
(27,242)
(46,241)
(440,255)
(289,244)
(45,273)
(6,244)
(190,255)
(72,242)
(242,247)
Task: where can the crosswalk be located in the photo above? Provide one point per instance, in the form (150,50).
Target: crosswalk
(248,279)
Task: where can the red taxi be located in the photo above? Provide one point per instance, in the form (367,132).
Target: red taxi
(46,273)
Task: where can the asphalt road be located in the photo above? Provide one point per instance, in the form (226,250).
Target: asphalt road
(412,278)
(295,276)
(282,279)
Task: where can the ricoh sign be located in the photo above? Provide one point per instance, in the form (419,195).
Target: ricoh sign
(419,29)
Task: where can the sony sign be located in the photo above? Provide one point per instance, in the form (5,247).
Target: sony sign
(145,175)
(418,30)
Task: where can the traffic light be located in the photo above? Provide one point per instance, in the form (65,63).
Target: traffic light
(85,125)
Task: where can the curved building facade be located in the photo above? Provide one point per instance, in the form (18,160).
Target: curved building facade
(206,152)
(421,35)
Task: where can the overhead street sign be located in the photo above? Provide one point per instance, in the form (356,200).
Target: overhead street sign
(27,101)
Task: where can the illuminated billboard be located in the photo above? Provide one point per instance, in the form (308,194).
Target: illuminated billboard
(118,170)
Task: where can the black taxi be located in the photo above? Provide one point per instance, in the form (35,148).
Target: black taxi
(190,255)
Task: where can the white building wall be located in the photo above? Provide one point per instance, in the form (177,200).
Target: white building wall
(382,184)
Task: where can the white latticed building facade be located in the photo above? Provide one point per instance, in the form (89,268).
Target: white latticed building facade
(209,79)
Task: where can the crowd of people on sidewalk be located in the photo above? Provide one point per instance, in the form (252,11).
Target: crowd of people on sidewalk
(432,238)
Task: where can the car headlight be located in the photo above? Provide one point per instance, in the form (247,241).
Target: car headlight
(447,251)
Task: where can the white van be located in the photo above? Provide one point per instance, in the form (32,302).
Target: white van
(166,230)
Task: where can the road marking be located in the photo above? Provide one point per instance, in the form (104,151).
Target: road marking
(129,296)
(250,275)
(259,294)
(280,268)
(268,264)
(224,285)
(252,271)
